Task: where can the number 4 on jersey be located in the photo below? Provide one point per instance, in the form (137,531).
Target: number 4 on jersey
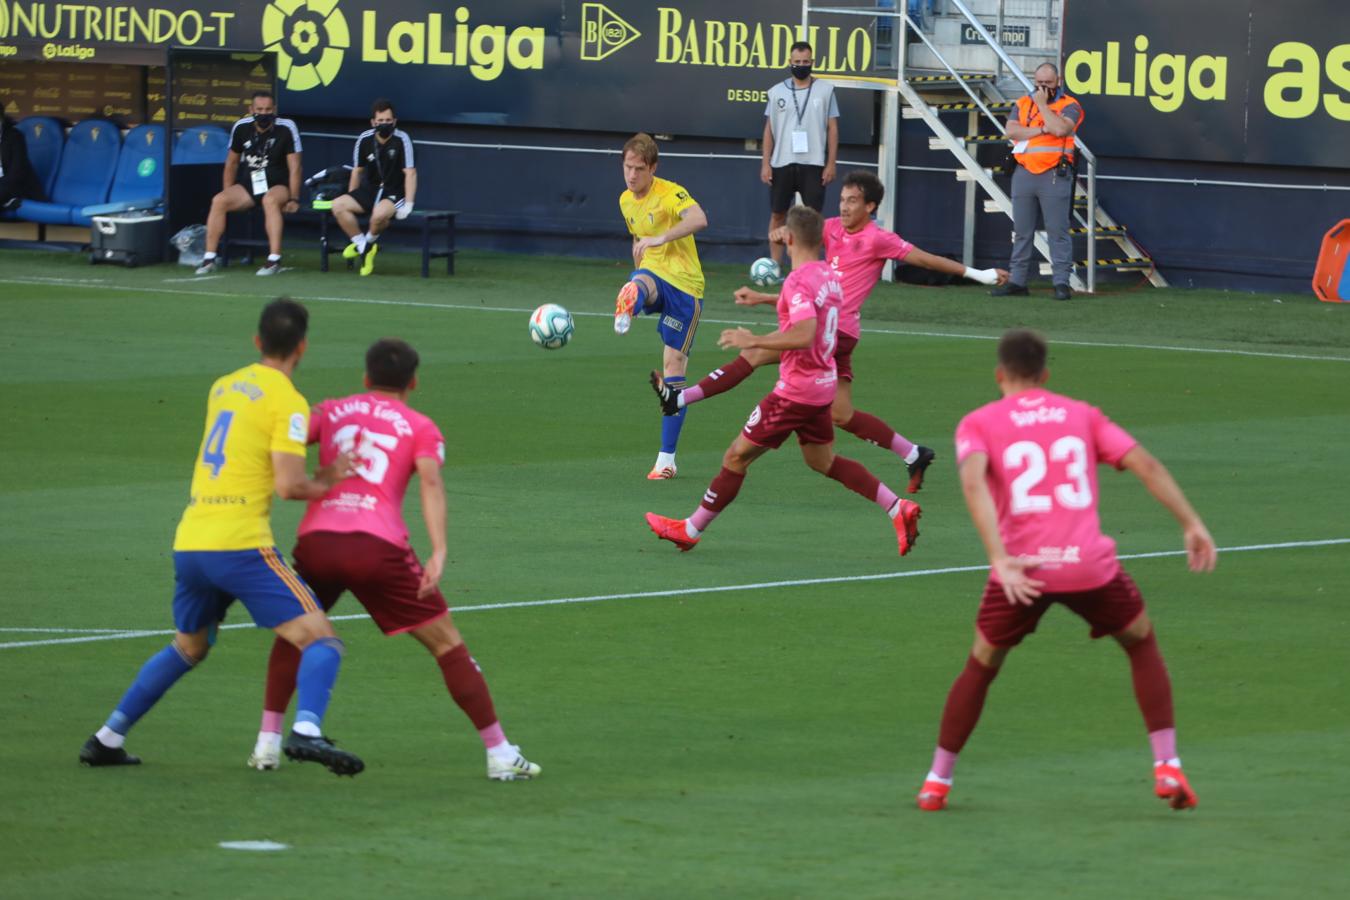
(213,448)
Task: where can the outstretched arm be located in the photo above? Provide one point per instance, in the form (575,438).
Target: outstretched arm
(925,260)
(797,337)
(1018,586)
(1200,550)
(433,514)
(293,483)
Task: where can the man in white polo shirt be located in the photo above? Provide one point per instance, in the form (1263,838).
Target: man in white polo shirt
(801,141)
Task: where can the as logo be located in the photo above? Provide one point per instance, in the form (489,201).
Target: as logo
(309,37)
(602,31)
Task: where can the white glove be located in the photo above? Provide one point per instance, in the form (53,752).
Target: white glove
(983,276)
(405,210)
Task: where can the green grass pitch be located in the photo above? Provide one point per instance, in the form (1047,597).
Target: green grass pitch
(756,741)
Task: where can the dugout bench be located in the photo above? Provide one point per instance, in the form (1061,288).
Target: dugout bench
(426,220)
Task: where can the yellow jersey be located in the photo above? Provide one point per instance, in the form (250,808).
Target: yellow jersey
(250,414)
(654,215)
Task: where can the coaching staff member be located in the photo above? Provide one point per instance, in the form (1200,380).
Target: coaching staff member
(801,141)
(1042,127)
(269,148)
(384,155)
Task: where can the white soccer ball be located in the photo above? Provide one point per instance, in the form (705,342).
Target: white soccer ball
(551,326)
(765,271)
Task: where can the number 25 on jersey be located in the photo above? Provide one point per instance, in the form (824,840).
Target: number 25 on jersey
(371,450)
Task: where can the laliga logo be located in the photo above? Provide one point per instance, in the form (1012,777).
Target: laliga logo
(309,37)
(603,32)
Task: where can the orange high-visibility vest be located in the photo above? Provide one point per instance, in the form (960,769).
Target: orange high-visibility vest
(1044,151)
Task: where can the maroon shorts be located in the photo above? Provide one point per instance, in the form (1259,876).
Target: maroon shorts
(383,576)
(1108,609)
(777,417)
(843,356)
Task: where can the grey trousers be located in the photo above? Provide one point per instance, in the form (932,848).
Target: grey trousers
(1051,196)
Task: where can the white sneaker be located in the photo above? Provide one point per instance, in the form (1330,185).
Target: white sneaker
(664,468)
(266,753)
(510,765)
(208,267)
(270,268)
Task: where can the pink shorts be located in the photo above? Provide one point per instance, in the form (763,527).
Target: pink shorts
(776,417)
(1108,609)
(383,576)
(843,356)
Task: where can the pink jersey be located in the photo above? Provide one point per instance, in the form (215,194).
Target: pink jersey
(859,258)
(808,376)
(388,437)
(1043,453)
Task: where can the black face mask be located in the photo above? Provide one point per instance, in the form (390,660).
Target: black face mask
(264,120)
(801,73)
(384,129)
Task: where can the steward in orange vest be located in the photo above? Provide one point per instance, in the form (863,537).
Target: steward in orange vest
(1044,151)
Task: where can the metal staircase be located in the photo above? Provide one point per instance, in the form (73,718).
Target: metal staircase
(938,98)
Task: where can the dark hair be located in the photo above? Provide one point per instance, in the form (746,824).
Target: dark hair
(281,327)
(391,364)
(267,94)
(801,45)
(870,185)
(644,146)
(1022,352)
(805,225)
(381,105)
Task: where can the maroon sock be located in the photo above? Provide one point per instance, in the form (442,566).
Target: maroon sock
(1152,687)
(467,686)
(717,497)
(870,429)
(721,380)
(964,704)
(282,667)
(854,476)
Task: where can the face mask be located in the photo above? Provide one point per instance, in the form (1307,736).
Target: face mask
(801,73)
(264,120)
(384,129)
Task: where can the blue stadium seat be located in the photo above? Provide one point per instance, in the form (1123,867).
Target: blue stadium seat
(86,171)
(201,144)
(139,180)
(45,139)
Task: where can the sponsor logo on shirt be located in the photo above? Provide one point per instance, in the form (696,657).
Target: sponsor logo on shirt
(1053,557)
(1041,416)
(351,502)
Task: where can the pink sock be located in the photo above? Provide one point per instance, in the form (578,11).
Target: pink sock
(272,721)
(492,736)
(702,517)
(692,394)
(1164,742)
(901,448)
(886,498)
(944,761)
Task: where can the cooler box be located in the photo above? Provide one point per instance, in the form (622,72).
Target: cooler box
(1331,281)
(128,240)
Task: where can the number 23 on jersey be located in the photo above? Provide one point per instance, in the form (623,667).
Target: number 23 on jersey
(1030,494)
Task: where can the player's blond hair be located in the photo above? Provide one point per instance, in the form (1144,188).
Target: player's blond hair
(644,145)
(806,226)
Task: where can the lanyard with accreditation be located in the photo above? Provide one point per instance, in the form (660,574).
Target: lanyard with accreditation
(800,142)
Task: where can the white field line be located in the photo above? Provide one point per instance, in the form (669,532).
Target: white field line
(117,635)
(370,301)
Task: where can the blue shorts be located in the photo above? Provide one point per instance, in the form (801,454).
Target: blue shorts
(679,312)
(208,581)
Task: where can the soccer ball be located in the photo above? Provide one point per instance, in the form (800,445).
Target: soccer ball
(551,326)
(765,271)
